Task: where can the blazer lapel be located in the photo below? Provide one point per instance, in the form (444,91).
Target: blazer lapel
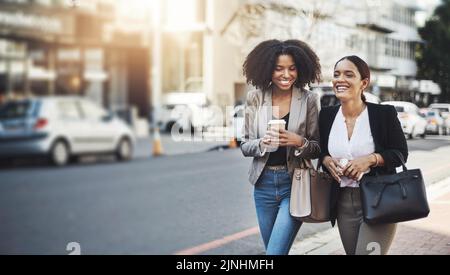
(295,109)
(265,113)
(374,126)
(332,117)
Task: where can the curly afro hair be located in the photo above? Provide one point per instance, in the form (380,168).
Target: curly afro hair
(261,62)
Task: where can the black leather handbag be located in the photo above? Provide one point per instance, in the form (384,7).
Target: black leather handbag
(394,198)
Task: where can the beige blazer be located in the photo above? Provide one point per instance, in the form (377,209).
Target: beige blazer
(303,120)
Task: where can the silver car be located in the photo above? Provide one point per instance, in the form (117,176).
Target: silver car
(411,119)
(61,128)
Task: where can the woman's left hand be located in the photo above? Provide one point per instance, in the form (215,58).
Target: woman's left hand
(288,139)
(356,168)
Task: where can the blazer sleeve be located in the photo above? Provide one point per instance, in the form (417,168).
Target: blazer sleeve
(311,148)
(395,140)
(250,141)
(323,121)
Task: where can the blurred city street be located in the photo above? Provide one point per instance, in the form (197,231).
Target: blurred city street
(195,203)
(99,98)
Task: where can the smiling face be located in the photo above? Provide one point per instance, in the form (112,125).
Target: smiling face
(285,73)
(347,81)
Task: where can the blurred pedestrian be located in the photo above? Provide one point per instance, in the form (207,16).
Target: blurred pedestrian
(280,71)
(357,138)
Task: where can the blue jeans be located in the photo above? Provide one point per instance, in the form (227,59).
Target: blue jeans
(272,196)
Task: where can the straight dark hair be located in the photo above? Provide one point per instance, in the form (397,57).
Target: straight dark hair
(362,67)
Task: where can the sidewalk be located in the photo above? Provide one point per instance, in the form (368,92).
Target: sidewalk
(429,236)
(144,146)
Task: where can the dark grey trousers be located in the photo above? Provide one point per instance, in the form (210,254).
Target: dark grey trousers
(358,237)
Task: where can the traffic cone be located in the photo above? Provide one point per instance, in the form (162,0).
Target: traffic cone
(157,144)
(233,143)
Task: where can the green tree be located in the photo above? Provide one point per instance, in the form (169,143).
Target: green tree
(433,56)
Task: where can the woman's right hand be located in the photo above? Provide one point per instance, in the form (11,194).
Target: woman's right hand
(333,167)
(270,139)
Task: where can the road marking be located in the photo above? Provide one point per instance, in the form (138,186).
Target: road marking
(219,242)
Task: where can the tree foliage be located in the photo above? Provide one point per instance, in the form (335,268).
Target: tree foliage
(433,56)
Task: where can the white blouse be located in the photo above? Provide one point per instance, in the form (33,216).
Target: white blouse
(360,144)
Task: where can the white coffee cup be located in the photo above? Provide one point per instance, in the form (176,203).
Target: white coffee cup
(275,125)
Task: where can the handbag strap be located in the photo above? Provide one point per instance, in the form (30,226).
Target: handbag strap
(306,163)
(319,164)
(400,157)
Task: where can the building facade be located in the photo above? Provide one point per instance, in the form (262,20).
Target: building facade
(60,47)
(124,53)
(383,33)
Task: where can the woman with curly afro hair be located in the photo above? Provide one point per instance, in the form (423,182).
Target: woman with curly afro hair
(280,72)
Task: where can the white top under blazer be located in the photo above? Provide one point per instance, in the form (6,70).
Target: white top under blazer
(360,144)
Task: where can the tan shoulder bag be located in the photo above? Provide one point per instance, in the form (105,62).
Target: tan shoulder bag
(310,194)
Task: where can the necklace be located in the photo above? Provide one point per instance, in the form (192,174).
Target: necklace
(354,118)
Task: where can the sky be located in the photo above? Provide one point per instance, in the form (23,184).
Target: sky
(428,7)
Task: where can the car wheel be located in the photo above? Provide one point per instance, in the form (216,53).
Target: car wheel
(124,150)
(169,126)
(59,154)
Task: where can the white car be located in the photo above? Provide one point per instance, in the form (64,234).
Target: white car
(61,128)
(328,98)
(436,124)
(443,108)
(412,122)
(444,111)
(184,111)
(237,123)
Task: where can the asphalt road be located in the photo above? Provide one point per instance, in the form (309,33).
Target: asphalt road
(150,206)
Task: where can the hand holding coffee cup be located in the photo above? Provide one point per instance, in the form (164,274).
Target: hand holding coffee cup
(271,140)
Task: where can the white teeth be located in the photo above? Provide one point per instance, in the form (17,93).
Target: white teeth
(341,88)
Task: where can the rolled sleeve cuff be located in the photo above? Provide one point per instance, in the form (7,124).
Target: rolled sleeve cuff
(261,151)
(299,150)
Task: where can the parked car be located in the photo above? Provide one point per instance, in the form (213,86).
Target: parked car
(185,110)
(447,125)
(328,97)
(413,123)
(444,111)
(62,128)
(435,123)
(443,108)
(237,123)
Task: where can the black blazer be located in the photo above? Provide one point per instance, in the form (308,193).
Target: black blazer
(387,135)
(386,131)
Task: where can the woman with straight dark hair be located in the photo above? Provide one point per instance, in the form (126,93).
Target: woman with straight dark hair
(280,71)
(357,139)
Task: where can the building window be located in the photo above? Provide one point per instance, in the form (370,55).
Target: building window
(353,42)
(412,51)
(403,15)
(387,46)
(182,13)
(183,62)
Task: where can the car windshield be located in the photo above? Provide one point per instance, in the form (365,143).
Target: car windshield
(400,109)
(15,110)
(441,109)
